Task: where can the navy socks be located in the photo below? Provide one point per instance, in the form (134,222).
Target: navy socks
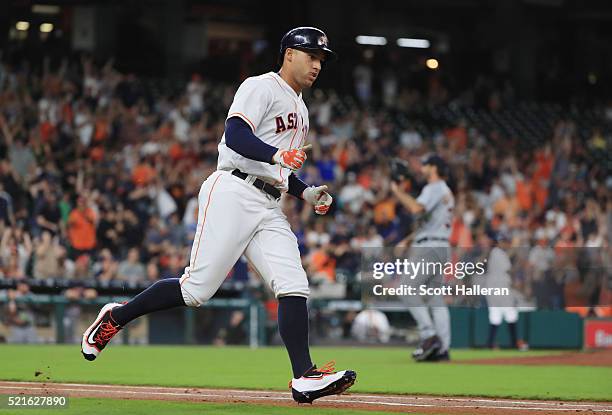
(293,328)
(492,335)
(292,318)
(513,337)
(162,295)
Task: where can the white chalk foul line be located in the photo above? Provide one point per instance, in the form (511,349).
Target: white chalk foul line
(483,400)
(359,396)
(355,398)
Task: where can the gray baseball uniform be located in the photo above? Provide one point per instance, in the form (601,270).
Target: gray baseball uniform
(431,245)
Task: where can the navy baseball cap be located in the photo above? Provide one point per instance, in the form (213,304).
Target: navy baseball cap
(435,160)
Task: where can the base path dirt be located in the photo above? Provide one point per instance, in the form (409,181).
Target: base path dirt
(587,358)
(389,403)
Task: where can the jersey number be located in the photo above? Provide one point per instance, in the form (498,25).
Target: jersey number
(291,123)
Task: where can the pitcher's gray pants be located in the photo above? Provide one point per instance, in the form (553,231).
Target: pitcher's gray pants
(431,313)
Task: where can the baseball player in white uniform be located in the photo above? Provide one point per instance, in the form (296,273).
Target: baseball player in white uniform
(435,207)
(239,213)
(501,308)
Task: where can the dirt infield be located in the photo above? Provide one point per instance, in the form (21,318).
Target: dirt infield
(588,358)
(389,403)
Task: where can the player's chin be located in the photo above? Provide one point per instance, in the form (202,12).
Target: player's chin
(309,81)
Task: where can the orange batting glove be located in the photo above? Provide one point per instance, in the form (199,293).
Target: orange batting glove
(319,198)
(292,159)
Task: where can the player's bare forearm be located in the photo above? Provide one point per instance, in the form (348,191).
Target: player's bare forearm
(405,199)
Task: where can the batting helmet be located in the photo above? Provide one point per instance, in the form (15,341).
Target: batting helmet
(306,38)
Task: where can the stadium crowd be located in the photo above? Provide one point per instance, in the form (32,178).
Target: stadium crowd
(99,174)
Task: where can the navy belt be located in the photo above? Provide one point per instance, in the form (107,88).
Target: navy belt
(418,241)
(260,184)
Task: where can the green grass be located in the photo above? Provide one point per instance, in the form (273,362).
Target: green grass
(80,406)
(380,370)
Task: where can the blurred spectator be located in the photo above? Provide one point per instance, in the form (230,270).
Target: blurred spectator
(49,256)
(177,234)
(72,316)
(371,326)
(82,268)
(411,139)
(105,268)
(143,173)
(21,157)
(152,272)
(155,236)
(195,95)
(321,265)
(131,269)
(362,75)
(175,266)
(9,182)
(318,236)
(234,333)
(7,215)
(49,215)
(15,251)
(82,228)
(353,195)
(19,317)
(132,229)
(166,205)
(134,160)
(540,256)
(190,217)
(109,231)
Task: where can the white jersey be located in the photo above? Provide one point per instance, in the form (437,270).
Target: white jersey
(499,267)
(277,116)
(438,201)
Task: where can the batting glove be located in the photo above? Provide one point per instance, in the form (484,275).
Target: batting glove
(319,198)
(292,159)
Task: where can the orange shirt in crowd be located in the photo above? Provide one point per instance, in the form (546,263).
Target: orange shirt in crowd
(102,130)
(502,206)
(67,113)
(457,138)
(540,192)
(97,153)
(460,234)
(46,130)
(544,165)
(523,195)
(563,245)
(175,151)
(507,207)
(164,132)
(343,159)
(384,211)
(365,180)
(82,229)
(323,264)
(143,174)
